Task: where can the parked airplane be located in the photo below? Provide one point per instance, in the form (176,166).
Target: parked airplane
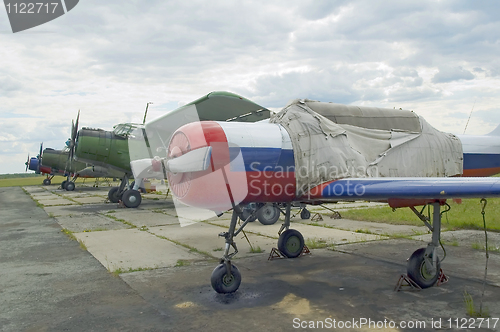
(300,156)
(55,162)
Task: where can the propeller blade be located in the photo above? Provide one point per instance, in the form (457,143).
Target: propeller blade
(194,161)
(27,162)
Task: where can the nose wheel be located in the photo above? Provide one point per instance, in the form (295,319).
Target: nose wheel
(224,281)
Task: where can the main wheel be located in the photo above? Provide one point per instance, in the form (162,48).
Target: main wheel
(46,182)
(305,214)
(291,243)
(268,215)
(63,184)
(70,186)
(224,284)
(131,198)
(113,194)
(418,272)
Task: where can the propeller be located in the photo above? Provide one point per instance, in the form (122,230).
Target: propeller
(72,142)
(74,132)
(40,157)
(27,163)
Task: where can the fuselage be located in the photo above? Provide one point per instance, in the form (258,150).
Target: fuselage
(481,155)
(260,166)
(103,148)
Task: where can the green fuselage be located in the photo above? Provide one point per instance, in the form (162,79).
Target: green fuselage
(103,148)
(57,160)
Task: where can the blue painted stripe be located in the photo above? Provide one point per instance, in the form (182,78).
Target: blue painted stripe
(412,188)
(481,160)
(263,159)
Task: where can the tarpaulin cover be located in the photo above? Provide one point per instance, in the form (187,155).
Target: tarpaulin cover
(369,142)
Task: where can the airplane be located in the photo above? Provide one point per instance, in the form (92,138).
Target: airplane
(314,152)
(109,149)
(55,162)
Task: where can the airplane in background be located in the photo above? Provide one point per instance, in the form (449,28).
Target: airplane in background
(313,152)
(55,162)
(109,150)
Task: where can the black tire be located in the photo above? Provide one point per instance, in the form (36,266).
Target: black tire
(70,186)
(221,283)
(247,213)
(131,198)
(305,214)
(268,215)
(291,243)
(63,184)
(113,195)
(46,182)
(417,270)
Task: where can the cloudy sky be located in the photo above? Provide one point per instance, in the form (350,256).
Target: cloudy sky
(109,58)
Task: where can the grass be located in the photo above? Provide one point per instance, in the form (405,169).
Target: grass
(316,243)
(182,262)
(256,250)
(479,246)
(471,309)
(120,270)
(120,220)
(32,181)
(461,216)
(73,237)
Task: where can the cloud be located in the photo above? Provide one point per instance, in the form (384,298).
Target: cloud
(448,74)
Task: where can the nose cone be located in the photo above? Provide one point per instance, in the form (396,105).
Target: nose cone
(34,164)
(216,188)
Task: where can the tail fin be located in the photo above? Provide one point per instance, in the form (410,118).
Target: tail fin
(495,132)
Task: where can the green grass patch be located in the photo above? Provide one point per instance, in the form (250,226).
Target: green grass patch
(256,250)
(120,220)
(182,262)
(471,308)
(461,216)
(72,237)
(316,243)
(6,180)
(120,270)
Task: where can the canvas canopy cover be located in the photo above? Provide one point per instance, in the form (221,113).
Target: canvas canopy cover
(332,141)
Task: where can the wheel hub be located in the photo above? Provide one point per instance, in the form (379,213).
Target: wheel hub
(293,244)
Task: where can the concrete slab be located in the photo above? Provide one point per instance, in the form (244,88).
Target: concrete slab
(89,222)
(470,238)
(204,237)
(56,201)
(366,226)
(44,195)
(145,217)
(329,235)
(90,200)
(71,210)
(133,249)
(34,189)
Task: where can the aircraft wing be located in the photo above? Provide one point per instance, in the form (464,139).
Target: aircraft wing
(397,189)
(216,106)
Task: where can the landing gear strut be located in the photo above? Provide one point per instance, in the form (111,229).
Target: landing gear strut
(226,278)
(424,265)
